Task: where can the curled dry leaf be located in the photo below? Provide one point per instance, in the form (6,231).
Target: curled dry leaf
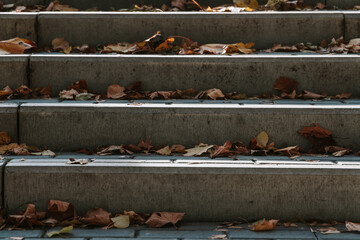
(62,231)
(352,227)
(97,216)
(136,218)
(78,161)
(329,230)
(311,95)
(159,219)
(177,148)
(289,151)
(337,151)
(264,225)
(31,217)
(61,210)
(115,91)
(56,6)
(44,153)
(320,138)
(197,150)
(60,44)
(68,94)
(218,236)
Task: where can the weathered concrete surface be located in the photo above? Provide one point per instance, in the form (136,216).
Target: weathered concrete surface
(69,126)
(352,25)
(201,190)
(344,4)
(18,25)
(250,74)
(8,120)
(263,28)
(2,164)
(13,69)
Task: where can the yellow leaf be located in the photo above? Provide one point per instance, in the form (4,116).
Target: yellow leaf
(122,221)
(262,139)
(62,231)
(248,9)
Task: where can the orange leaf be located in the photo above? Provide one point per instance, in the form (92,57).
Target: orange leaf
(4,138)
(97,216)
(264,225)
(16,46)
(115,91)
(61,210)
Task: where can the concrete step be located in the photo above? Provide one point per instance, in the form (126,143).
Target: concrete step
(251,74)
(68,126)
(278,27)
(251,187)
(9,120)
(203,27)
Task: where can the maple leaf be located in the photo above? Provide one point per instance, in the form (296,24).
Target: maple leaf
(61,210)
(197,150)
(223,150)
(264,225)
(115,91)
(159,219)
(286,85)
(97,216)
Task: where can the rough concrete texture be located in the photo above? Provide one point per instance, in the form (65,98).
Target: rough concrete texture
(2,163)
(344,4)
(18,25)
(352,25)
(250,74)
(263,28)
(202,191)
(13,69)
(8,120)
(70,126)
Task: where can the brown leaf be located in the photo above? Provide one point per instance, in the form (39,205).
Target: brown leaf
(4,138)
(78,161)
(97,216)
(21,92)
(329,230)
(29,218)
(286,85)
(113,149)
(5,92)
(215,93)
(61,210)
(180,4)
(60,44)
(136,218)
(320,138)
(160,95)
(311,95)
(264,225)
(56,6)
(218,236)
(164,151)
(343,95)
(80,86)
(223,150)
(159,219)
(115,91)
(16,46)
(44,92)
(120,48)
(177,149)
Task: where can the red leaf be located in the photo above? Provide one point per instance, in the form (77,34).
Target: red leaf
(286,85)
(159,219)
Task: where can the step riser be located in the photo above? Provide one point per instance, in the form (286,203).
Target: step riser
(9,120)
(70,128)
(13,71)
(203,28)
(18,25)
(203,196)
(252,75)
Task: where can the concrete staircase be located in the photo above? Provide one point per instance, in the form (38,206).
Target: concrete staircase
(206,189)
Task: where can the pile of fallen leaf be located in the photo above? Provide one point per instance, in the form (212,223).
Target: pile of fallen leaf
(62,213)
(321,139)
(8,148)
(287,86)
(335,46)
(187,5)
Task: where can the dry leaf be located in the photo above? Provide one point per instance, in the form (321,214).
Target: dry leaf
(115,91)
(320,138)
(4,138)
(164,151)
(61,210)
(311,95)
(68,94)
(97,216)
(16,46)
(223,150)
(264,225)
(286,85)
(262,139)
(177,149)
(44,153)
(330,230)
(77,161)
(136,218)
(62,231)
(159,219)
(352,227)
(219,236)
(121,221)
(197,150)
